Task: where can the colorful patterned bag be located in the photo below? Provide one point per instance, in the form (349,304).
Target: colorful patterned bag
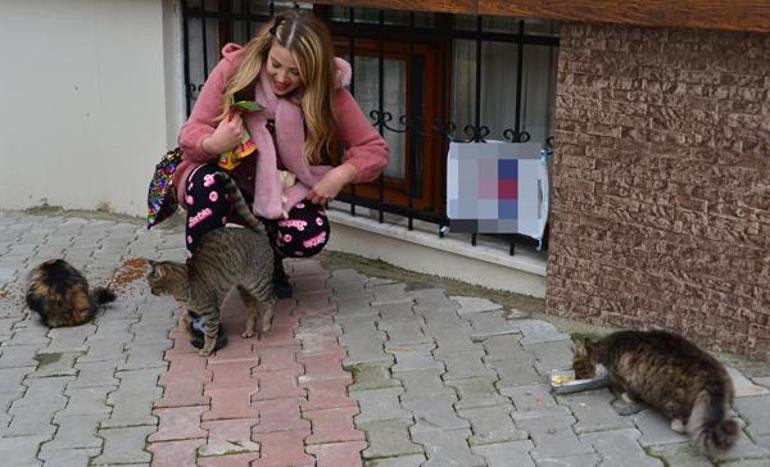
(161,196)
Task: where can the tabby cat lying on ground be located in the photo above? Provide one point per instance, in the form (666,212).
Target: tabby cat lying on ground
(666,371)
(227,257)
(59,293)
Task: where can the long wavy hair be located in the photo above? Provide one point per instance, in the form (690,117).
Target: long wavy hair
(309,42)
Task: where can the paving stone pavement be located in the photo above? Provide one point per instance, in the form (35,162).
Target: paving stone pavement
(357,370)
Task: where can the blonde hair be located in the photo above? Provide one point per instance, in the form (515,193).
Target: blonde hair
(309,42)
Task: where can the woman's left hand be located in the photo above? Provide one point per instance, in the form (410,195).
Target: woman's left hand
(332,183)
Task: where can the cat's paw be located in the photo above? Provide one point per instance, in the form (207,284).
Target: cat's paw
(247,333)
(204,352)
(630,409)
(678,426)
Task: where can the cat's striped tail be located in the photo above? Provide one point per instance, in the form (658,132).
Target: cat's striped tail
(102,295)
(234,195)
(710,426)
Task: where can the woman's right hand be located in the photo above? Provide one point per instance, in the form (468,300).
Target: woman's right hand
(227,135)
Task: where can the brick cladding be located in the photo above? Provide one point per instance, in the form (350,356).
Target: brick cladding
(661,183)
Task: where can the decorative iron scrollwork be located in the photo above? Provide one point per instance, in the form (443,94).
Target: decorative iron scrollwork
(516,136)
(476,133)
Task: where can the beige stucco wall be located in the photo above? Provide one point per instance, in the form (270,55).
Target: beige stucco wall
(89,99)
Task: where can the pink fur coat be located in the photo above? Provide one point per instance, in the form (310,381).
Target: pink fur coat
(364,147)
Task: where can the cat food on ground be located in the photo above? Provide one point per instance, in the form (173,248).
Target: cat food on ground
(565,382)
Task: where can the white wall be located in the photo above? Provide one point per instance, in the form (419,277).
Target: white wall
(89,100)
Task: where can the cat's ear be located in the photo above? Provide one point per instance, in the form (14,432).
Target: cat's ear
(154,269)
(581,347)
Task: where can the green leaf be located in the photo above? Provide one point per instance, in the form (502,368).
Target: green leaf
(247,106)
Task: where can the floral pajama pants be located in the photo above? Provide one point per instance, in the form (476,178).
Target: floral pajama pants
(303,234)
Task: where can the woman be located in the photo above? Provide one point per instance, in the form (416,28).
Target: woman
(289,68)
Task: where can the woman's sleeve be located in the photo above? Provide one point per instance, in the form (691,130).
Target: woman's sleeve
(365,149)
(208,106)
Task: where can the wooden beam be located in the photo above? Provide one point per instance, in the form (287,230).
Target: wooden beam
(468,7)
(734,15)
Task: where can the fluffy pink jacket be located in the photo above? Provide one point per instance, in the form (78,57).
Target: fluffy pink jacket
(365,149)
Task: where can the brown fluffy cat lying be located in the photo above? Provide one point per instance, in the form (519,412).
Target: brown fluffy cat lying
(666,371)
(59,293)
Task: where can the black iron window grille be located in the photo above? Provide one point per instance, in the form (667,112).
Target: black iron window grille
(424,79)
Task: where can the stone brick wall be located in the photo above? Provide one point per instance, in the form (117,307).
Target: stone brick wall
(661,183)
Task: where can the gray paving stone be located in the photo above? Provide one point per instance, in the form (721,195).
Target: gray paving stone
(103,350)
(117,329)
(21,450)
(744,448)
(7,398)
(594,411)
(87,401)
(6,324)
(746,463)
(377,281)
(75,432)
(434,413)
(470,305)
(14,356)
(145,356)
(55,364)
(365,348)
(67,457)
(29,332)
(389,292)
(755,411)
(379,404)
(31,420)
(679,454)
(45,390)
(534,398)
(397,313)
(536,331)
(432,298)
(516,372)
(511,453)
(492,425)
(355,306)
(743,386)
(124,445)
(655,429)
(462,365)
(357,323)
(406,334)
(453,340)
(551,355)
(371,376)
(552,435)
(414,460)
(476,392)
(762,381)
(10,379)
(492,324)
(505,347)
(448,448)
(620,447)
(420,384)
(413,357)
(581,460)
(132,401)
(95,374)
(388,438)
(440,318)
(72,339)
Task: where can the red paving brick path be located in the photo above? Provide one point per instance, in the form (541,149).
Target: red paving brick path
(277,401)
